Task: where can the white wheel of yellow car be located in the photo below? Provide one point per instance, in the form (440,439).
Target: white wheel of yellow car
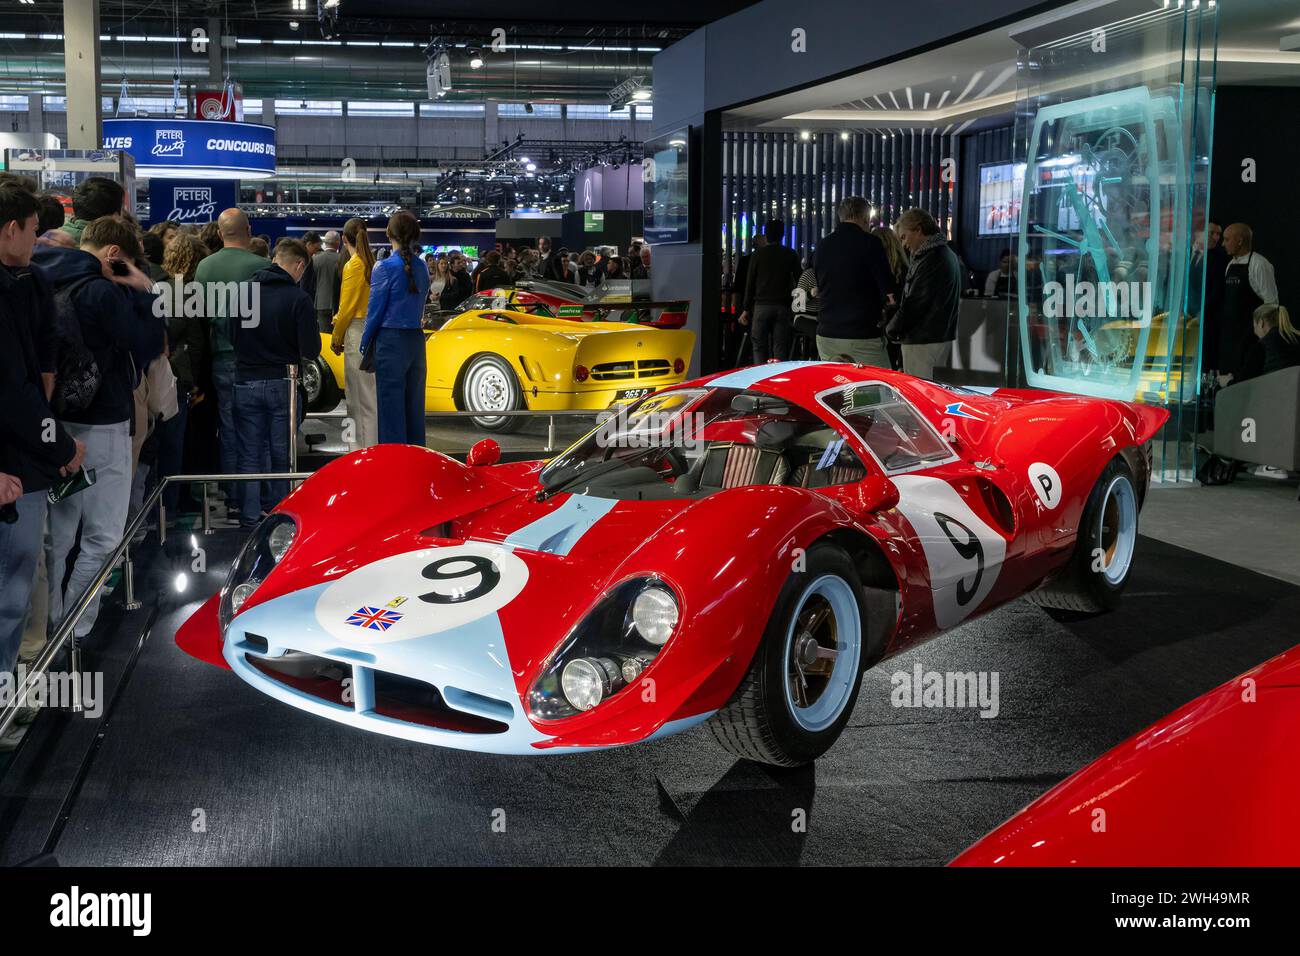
(490,385)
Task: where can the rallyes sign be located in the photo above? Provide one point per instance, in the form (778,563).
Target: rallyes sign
(195,149)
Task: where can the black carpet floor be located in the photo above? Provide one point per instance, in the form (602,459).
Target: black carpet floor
(191,766)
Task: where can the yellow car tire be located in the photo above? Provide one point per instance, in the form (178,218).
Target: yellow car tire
(488,383)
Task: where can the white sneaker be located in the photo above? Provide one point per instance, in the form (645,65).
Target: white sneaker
(1268,471)
(12,738)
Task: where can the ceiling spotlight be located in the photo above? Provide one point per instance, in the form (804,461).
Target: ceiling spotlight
(805,135)
(293,24)
(844,135)
(531,167)
(475,60)
(642,95)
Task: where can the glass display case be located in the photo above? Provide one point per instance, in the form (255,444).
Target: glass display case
(1113,130)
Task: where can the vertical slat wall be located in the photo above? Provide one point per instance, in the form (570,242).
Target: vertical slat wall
(778,174)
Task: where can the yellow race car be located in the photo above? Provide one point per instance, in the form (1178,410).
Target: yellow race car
(496,360)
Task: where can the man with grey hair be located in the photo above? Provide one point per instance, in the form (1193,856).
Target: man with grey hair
(926,321)
(328,280)
(854,283)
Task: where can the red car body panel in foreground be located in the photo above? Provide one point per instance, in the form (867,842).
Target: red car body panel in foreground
(726,554)
(1216,783)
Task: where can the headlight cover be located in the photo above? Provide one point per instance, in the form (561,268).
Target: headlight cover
(264,549)
(608,649)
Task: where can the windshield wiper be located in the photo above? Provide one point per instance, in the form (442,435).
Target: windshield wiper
(562,478)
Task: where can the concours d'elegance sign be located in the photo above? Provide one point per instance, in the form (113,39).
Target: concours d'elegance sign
(188,201)
(194,149)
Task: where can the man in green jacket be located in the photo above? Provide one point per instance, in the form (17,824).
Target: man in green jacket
(227,278)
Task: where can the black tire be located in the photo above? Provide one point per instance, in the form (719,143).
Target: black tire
(758,723)
(1084,587)
(493,374)
(323,393)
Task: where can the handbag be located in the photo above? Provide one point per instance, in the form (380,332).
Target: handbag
(367,363)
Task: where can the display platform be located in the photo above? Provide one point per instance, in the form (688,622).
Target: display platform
(182,743)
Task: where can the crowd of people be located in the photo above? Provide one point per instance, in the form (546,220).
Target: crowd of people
(138,354)
(879,296)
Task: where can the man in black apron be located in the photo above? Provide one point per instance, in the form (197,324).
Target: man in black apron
(1241,297)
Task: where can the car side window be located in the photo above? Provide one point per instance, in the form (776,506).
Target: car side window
(899,437)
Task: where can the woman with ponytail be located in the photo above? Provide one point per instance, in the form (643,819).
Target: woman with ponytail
(354,301)
(393,339)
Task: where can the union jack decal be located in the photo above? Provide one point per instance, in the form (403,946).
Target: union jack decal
(374,618)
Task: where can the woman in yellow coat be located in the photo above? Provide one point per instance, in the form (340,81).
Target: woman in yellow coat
(354,300)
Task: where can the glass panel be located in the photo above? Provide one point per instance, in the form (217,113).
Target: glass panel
(1113,130)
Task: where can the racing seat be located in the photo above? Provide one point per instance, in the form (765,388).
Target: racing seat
(733,465)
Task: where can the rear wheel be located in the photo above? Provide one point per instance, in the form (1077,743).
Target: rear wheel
(805,676)
(1098,571)
(490,386)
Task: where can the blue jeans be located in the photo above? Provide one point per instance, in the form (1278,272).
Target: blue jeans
(223,378)
(399,384)
(171,452)
(262,423)
(20,545)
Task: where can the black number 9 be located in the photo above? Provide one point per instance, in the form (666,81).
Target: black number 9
(489,578)
(968,549)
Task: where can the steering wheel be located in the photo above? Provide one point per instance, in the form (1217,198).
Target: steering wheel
(673,464)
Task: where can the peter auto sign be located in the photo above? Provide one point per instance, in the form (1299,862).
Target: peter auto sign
(194,149)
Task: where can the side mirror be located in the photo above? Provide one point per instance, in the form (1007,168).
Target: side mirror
(488,452)
(874,493)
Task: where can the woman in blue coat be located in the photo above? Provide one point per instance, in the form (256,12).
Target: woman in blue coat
(399,285)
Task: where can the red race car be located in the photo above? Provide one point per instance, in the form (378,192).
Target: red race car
(738,548)
(564,300)
(1213,784)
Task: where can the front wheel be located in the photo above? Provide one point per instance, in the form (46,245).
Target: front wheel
(318,385)
(1098,571)
(805,676)
(490,386)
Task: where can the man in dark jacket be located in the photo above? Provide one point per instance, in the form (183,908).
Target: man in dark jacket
(459,286)
(35,450)
(773,273)
(491,275)
(283,332)
(926,323)
(854,282)
(113,305)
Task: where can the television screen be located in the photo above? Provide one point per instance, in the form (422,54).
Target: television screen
(1001,188)
(666,177)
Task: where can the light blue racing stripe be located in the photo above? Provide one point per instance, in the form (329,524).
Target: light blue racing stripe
(745,377)
(559,531)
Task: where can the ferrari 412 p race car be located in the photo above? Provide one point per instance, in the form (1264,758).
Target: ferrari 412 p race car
(735,549)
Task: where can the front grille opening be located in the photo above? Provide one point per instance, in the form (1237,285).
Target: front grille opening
(318,676)
(416,702)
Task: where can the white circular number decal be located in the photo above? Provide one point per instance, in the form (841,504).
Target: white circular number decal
(420,593)
(1046,483)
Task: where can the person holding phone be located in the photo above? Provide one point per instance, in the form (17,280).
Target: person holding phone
(35,449)
(98,287)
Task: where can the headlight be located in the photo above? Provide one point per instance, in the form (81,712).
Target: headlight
(264,549)
(654,614)
(589,680)
(607,651)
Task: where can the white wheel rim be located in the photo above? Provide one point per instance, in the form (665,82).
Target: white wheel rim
(488,390)
(311,381)
(1117,529)
(815,698)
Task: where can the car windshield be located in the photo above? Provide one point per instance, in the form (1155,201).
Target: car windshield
(698,441)
(900,438)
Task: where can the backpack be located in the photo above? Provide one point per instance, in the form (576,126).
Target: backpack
(77,376)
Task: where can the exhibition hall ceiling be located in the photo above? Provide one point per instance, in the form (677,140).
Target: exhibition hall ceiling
(952,88)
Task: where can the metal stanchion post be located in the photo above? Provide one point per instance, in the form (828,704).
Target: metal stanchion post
(550,433)
(207,525)
(128,579)
(162,522)
(293,417)
(74,671)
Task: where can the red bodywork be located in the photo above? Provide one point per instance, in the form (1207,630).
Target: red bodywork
(1216,783)
(726,554)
